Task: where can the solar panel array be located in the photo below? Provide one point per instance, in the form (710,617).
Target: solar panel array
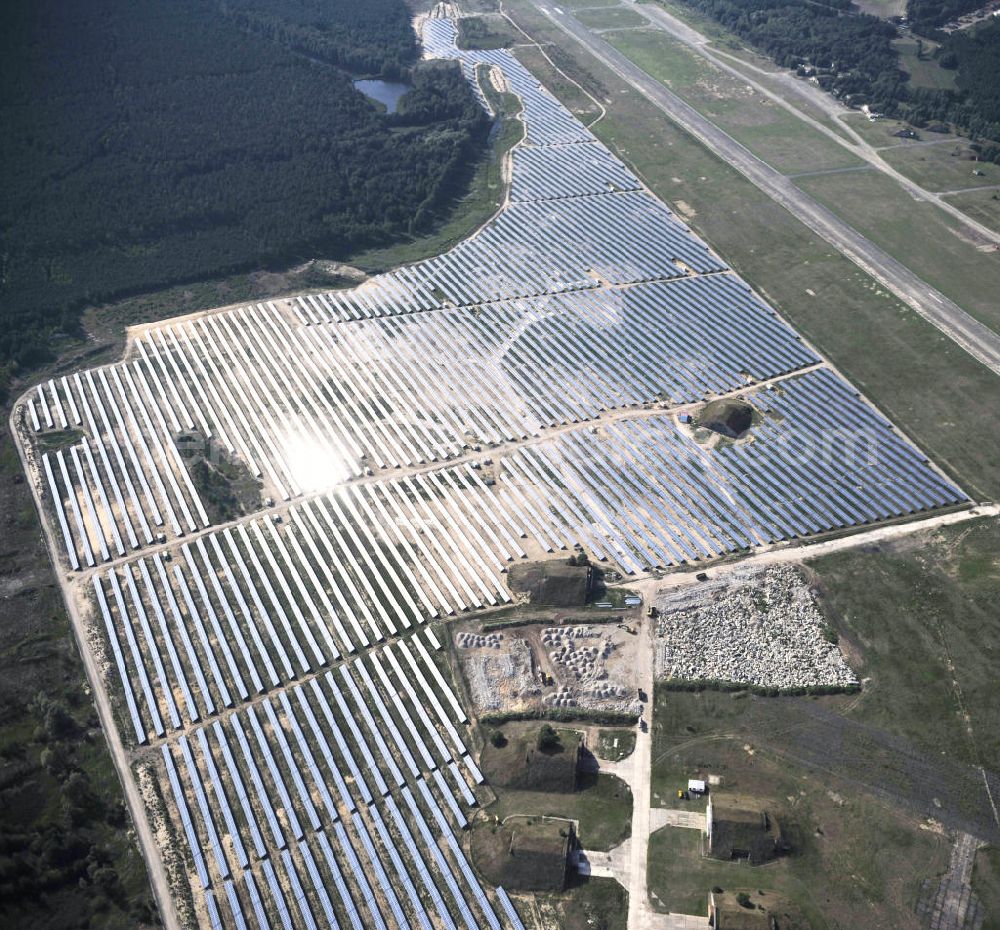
(645,494)
(516,396)
(387,392)
(554,172)
(335,802)
(253,607)
(538,247)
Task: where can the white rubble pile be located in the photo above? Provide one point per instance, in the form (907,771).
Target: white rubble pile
(581,652)
(502,679)
(757,627)
(479,640)
(586,661)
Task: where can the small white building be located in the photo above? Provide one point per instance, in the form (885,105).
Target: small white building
(696,786)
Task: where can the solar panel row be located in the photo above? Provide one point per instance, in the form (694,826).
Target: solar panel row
(314,861)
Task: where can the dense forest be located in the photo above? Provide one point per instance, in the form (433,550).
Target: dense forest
(59,829)
(370,37)
(824,34)
(854,58)
(975,105)
(926,15)
(168,141)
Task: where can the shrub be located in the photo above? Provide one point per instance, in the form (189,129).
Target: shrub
(560,714)
(548,739)
(713,684)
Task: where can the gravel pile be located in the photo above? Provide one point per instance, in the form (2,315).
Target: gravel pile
(581,662)
(479,640)
(584,660)
(580,653)
(757,627)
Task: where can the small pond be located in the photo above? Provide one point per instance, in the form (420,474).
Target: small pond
(385,92)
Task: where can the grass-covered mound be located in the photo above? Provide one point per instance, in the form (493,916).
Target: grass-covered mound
(534,759)
(730,418)
(522,853)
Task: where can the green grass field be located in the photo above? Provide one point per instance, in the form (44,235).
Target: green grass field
(602,805)
(767,129)
(518,762)
(883,8)
(927,630)
(854,779)
(922,237)
(694,18)
(570,95)
(609,17)
(468,6)
(485,32)
(615,745)
(586,4)
(916,621)
(880,132)
(983,205)
(986,884)
(942,167)
(769,76)
(923,70)
(594,904)
(852,864)
(522,853)
(741,56)
(680,878)
(855,859)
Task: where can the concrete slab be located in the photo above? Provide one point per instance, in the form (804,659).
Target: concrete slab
(669,817)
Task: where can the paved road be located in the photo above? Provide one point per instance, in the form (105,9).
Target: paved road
(678,818)
(971,190)
(954,906)
(978,340)
(639,911)
(794,88)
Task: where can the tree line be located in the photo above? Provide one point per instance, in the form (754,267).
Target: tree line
(853,57)
(927,15)
(370,38)
(169,141)
(57,869)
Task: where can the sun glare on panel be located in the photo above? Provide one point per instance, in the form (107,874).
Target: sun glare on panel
(315,463)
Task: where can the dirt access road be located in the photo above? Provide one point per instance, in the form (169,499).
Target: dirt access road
(148,844)
(631,867)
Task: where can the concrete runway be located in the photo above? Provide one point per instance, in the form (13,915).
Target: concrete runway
(974,337)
